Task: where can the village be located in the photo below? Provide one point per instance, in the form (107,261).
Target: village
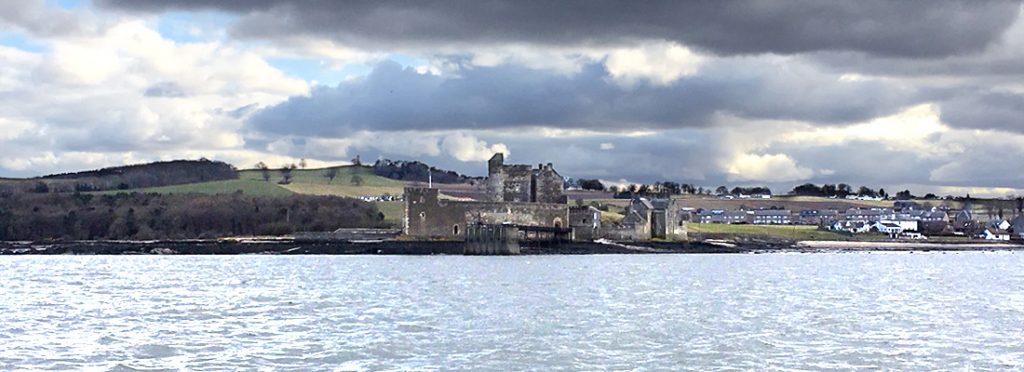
(524,203)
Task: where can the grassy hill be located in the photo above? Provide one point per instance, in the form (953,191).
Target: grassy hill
(303,182)
(313,182)
(247,187)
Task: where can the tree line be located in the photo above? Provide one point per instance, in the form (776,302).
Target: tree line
(156,174)
(138,216)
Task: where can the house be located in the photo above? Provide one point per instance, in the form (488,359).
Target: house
(905,205)
(887,228)
(817,216)
(1017,226)
(906,224)
(650,219)
(868,215)
(964,218)
(850,227)
(1001,224)
(721,216)
(992,233)
(771,217)
(934,215)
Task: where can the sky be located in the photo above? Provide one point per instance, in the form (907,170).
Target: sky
(925,95)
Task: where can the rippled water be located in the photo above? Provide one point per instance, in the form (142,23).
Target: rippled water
(786,311)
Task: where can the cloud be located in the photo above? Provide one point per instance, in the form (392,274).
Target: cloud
(910,28)
(128,90)
(464,147)
(38,18)
(168,89)
(767,168)
(395,98)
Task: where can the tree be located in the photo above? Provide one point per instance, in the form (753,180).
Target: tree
(883,194)
(807,189)
(828,190)
(264,171)
(330,174)
(843,190)
(904,195)
(302,163)
(286,173)
(356,180)
(591,184)
(722,190)
(866,191)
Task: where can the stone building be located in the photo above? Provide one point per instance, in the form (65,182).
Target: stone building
(585,222)
(519,183)
(650,219)
(516,195)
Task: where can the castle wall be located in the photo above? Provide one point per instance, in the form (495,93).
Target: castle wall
(585,223)
(429,217)
(548,186)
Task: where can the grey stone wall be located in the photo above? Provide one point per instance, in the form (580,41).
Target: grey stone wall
(429,217)
(548,185)
(585,223)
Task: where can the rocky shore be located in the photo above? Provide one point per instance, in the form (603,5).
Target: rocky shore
(290,247)
(403,247)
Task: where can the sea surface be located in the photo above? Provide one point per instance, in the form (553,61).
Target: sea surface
(862,311)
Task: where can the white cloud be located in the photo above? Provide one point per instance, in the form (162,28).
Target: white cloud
(767,168)
(466,147)
(661,63)
(86,96)
(607,146)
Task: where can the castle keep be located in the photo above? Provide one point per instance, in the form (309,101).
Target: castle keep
(518,183)
(516,195)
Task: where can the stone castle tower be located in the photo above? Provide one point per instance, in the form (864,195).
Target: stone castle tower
(519,183)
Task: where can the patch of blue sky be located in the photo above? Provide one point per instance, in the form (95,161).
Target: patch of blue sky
(313,69)
(19,41)
(407,60)
(70,4)
(190,27)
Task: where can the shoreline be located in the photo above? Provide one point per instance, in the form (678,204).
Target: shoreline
(279,246)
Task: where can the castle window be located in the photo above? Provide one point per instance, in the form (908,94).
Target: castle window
(455,229)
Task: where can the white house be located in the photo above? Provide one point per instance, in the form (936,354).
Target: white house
(995,234)
(912,235)
(887,228)
(905,224)
(853,227)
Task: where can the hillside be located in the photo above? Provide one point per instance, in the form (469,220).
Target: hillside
(158,174)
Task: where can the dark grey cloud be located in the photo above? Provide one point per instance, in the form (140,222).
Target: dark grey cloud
(393,98)
(985,110)
(888,28)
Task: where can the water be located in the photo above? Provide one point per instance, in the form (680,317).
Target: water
(699,312)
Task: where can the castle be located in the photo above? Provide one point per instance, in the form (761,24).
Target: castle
(516,195)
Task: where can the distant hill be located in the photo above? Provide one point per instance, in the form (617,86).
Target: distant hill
(414,171)
(166,173)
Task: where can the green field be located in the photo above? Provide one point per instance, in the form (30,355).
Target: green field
(316,177)
(247,187)
(304,181)
(393,211)
(787,232)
